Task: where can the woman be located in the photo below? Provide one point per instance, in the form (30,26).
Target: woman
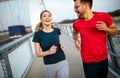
(47,45)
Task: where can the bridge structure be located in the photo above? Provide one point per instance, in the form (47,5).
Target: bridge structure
(17,55)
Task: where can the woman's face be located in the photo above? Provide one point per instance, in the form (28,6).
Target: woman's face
(46,18)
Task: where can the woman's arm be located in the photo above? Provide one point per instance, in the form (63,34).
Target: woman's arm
(39,52)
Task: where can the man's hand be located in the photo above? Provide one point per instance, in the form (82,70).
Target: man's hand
(101,26)
(77,44)
(111,30)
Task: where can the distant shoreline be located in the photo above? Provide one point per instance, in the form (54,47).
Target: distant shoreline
(117,19)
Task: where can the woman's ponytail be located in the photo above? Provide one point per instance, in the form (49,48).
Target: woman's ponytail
(38,27)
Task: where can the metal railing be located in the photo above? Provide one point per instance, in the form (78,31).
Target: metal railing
(10,57)
(114,52)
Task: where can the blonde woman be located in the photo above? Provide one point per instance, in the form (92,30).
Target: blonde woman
(47,45)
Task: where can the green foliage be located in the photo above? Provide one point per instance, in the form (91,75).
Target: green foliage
(67,21)
(115,13)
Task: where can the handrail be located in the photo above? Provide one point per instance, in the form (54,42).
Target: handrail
(15,43)
(8,48)
(113,54)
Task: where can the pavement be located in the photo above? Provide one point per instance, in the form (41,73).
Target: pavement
(36,69)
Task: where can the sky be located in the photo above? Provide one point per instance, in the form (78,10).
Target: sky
(64,9)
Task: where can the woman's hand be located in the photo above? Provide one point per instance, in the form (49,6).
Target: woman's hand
(52,49)
(63,48)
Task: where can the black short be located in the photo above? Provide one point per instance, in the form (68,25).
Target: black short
(96,70)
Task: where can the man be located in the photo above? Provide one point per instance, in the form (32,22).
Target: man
(93,27)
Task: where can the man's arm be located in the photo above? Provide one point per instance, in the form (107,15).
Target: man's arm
(76,40)
(111,30)
(75,35)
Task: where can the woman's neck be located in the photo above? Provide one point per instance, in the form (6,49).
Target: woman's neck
(47,28)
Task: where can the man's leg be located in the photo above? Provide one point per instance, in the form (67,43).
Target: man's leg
(104,69)
(91,70)
(96,70)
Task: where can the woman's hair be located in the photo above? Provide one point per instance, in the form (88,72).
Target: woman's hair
(39,25)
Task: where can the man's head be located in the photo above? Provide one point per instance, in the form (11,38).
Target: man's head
(90,2)
(82,6)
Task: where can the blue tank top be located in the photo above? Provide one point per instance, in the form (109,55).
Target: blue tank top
(46,40)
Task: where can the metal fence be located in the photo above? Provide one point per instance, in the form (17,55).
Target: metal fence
(114,53)
(11,59)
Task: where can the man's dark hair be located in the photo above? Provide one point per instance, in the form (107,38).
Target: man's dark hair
(87,1)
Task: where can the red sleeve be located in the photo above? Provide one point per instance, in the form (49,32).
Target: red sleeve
(108,19)
(74,26)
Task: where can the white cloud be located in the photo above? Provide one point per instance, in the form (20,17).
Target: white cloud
(105,5)
(60,9)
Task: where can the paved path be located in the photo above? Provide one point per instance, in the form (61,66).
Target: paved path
(73,56)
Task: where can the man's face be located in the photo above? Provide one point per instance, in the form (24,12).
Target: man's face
(78,8)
